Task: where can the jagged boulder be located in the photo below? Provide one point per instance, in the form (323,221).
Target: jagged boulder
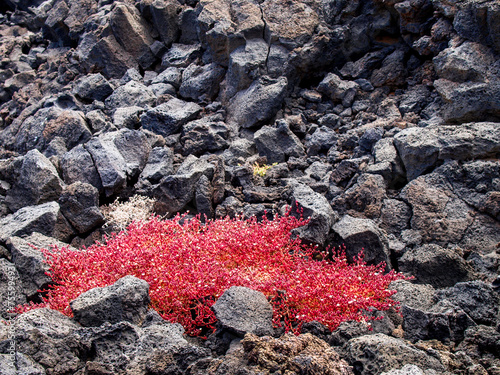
(93,87)
(168,118)
(78,165)
(208,134)
(80,205)
(434,265)
(174,191)
(132,93)
(159,165)
(11,288)
(23,364)
(38,183)
(45,218)
(357,234)
(132,32)
(258,103)
(421,149)
(243,310)
(38,129)
(201,82)
(338,89)
(315,207)
(476,298)
(246,63)
(374,354)
(126,300)
(278,143)
(49,338)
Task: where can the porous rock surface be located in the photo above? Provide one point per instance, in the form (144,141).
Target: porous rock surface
(380,120)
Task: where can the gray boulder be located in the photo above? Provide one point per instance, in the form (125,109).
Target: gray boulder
(468,83)
(257,104)
(370,137)
(201,82)
(278,143)
(168,118)
(393,71)
(131,74)
(245,64)
(469,101)
(126,300)
(208,134)
(131,94)
(39,129)
(78,165)
(48,337)
(156,347)
(165,18)
(225,26)
(414,99)
(434,265)
(321,140)
(357,234)
(159,165)
(38,182)
(108,162)
(438,214)
(243,310)
(422,148)
(444,322)
(316,208)
(98,121)
(365,196)
(476,298)
(22,364)
(132,32)
(395,216)
(203,197)
(118,157)
(31,265)
(374,354)
(172,76)
(134,147)
(93,87)
(410,370)
(11,288)
(416,296)
(478,21)
(466,62)
(482,343)
(175,191)
(363,67)
(181,55)
(338,89)
(387,162)
(45,218)
(80,205)
(104,53)
(127,117)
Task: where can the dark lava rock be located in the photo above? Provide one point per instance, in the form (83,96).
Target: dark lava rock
(243,310)
(434,265)
(126,300)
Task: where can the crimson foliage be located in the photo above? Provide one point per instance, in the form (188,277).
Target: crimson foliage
(189,264)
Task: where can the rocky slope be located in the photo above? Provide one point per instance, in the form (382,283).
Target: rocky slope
(382,119)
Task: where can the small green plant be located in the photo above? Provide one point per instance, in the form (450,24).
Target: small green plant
(261,170)
(189,264)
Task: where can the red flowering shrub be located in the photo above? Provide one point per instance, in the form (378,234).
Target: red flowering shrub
(188,265)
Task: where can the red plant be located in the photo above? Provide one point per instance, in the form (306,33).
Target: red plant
(189,264)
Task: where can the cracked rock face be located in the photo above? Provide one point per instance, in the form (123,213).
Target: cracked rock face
(379,121)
